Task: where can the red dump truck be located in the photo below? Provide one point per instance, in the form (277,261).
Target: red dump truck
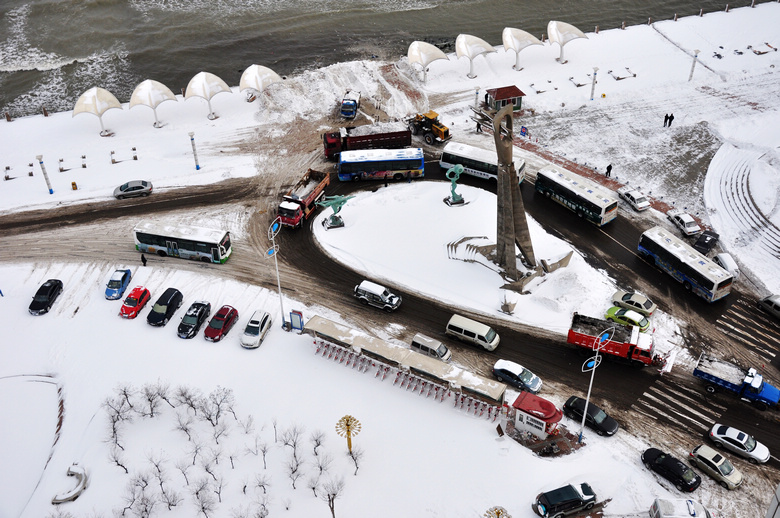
(626,343)
(364,137)
(301,201)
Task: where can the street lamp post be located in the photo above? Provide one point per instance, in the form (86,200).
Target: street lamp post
(194,151)
(693,65)
(45,176)
(274,229)
(590,365)
(593,84)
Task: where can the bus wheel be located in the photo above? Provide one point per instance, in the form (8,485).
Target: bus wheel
(356,178)
(710,389)
(162,253)
(205,260)
(547,193)
(579,213)
(398,177)
(687,286)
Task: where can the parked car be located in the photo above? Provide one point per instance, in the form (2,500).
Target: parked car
(627,317)
(771,305)
(135,302)
(221,323)
(256,329)
(165,307)
(117,284)
(678,508)
(716,465)
(634,197)
(517,376)
(706,242)
(728,263)
(739,442)
(684,222)
(132,189)
(597,419)
(672,469)
(635,301)
(373,294)
(196,314)
(45,297)
(565,500)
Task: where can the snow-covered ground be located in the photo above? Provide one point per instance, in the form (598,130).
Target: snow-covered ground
(419,457)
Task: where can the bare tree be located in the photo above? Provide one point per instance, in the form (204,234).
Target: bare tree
(313,483)
(356,454)
(264,450)
(275,429)
(254,448)
(188,397)
(205,503)
(219,485)
(331,491)
(317,436)
(144,506)
(233,455)
(262,510)
(208,468)
(195,450)
(240,512)
(323,462)
(116,457)
(132,493)
(219,401)
(170,498)
(182,465)
(248,425)
(118,411)
(263,482)
(151,400)
(164,392)
(294,470)
(200,486)
(126,392)
(220,430)
(184,423)
(292,437)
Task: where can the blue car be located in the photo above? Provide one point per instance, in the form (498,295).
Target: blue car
(118,284)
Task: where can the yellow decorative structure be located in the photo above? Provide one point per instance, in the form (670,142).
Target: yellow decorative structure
(348,426)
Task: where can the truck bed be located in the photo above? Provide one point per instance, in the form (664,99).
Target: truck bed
(306,185)
(720,369)
(593,326)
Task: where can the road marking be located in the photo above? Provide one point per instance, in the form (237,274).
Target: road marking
(670,418)
(654,389)
(752,345)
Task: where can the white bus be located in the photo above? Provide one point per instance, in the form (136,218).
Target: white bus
(587,199)
(478,162)
(197,243)
(695,271)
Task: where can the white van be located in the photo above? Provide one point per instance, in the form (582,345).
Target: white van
(473,332)
(430,347)
(678,508)
(728,263)
(373,294)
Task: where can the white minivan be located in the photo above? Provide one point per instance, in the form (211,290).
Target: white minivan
(430,347)
(473,332)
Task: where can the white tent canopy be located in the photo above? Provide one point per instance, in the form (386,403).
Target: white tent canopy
(96,101)
(424,54)
(258,78)
(151,93)
(471,47)
(206,85)
(517,40)
(562,33)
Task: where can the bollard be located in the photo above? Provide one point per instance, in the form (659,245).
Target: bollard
(30,173)
(753,3)
(61,167)
(597,29)
(135,156)
(727,7)
(83,161)
(45,113)
(650,21)
(623,26)
(113,160)
(8,116)
(701,13)
(675,17)
(73,186)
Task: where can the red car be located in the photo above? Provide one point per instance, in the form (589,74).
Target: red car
(135,302)
(220,324)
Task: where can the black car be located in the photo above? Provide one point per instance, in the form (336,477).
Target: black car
(45,297)
(673,470)
(597,419)
(565,500)
(165,307)
(196,314)
(706,242)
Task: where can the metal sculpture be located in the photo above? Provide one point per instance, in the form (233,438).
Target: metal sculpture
(335,203)
(453,175)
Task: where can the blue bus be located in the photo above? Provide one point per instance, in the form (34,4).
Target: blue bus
(695,271)
(381,164)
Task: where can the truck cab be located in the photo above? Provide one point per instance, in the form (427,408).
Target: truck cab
(350,104)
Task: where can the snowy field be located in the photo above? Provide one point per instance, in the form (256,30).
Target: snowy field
(416,457)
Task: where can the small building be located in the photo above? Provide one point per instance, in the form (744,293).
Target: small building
(536,415)
(497,98)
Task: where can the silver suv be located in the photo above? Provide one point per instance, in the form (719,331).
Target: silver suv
(373,294)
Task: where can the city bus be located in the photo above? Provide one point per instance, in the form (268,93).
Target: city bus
(478,162)
(188,242)
(381,164)
(587,199)
(695,271)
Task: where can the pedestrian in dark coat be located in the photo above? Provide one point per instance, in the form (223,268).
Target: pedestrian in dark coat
(609,171)
(666,119)
(143,259)
(671,118)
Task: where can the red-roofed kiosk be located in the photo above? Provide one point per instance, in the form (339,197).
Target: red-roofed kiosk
(497,98)
(536,415)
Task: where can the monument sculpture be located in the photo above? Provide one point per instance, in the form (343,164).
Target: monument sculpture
(453,174)
(335,203)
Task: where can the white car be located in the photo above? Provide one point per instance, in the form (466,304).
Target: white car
(684,222)
(740,443)
(256,329)
(634,198)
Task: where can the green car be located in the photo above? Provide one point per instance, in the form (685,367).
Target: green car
(627,317)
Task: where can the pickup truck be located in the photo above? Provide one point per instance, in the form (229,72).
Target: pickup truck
(684,222)
(634,197)
(749,385)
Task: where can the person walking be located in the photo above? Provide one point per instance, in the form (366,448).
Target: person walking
(666,119)
(1,293)
(143,259)
(609,171)
(671,118)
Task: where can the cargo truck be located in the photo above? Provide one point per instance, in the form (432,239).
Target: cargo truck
(362,137)
(748,384)
(301,201)
(625,343)
(350,104)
